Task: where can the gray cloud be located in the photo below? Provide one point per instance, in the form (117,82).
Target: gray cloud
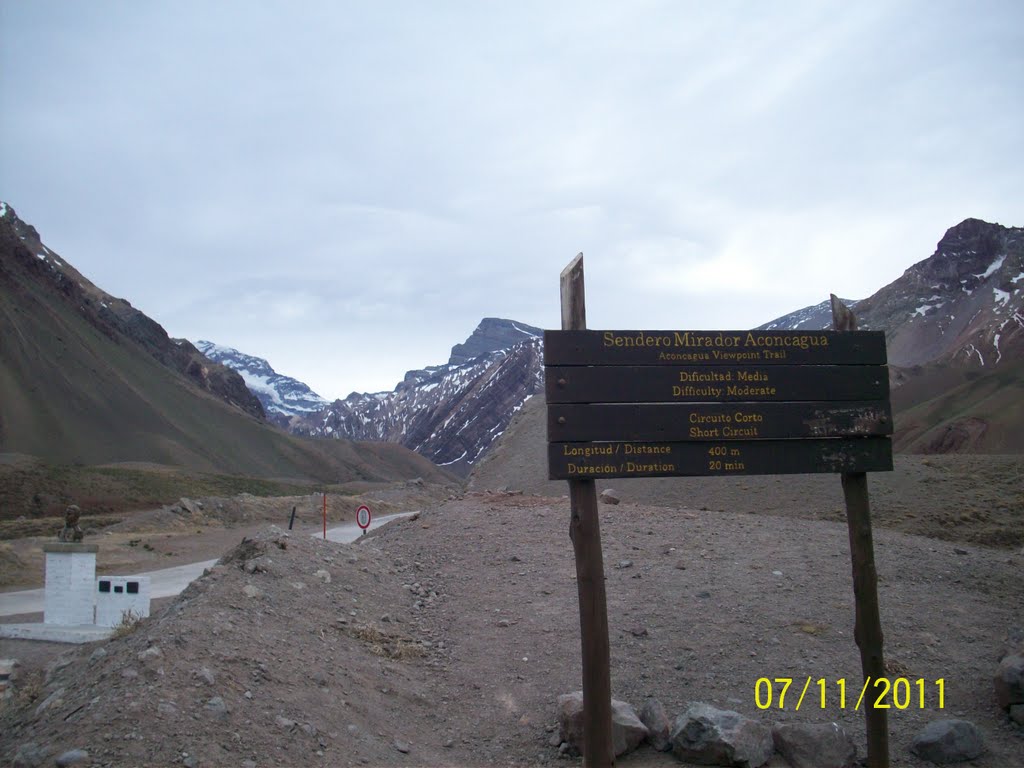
(346,189)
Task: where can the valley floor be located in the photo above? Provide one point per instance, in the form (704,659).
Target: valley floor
(445,640)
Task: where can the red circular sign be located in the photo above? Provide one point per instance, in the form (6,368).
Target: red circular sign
(363,517)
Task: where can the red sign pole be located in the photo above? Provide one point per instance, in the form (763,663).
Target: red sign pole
(325,515)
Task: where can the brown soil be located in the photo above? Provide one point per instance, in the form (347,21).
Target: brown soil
(451,635)
(201,530)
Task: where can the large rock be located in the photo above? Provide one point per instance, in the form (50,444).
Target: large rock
(652,715)
(709,736)
(815,745)
(1009,681)
(627,730)
(948,741)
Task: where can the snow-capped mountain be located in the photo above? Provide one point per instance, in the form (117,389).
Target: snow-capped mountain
(954,328)
(963,305)
(284,399)
(814,317)
(451,413)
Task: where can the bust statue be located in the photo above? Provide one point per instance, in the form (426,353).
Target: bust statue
(71,531)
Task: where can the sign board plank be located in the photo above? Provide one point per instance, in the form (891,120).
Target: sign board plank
(714,348)
(717,421)
(569,461)
(661,384)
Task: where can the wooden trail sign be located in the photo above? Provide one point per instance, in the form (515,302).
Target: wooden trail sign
(713,348)
(718,421)
(715,384)
(676,403)
(754,457)
(826,391)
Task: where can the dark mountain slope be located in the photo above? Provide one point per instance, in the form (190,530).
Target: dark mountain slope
(76,390)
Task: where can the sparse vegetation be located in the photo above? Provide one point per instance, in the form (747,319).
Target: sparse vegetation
(128,624)
(385,645)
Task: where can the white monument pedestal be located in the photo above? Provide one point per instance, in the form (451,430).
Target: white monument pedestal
(120,596)
(69,597)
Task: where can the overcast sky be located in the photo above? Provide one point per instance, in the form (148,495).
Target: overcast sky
(346,189)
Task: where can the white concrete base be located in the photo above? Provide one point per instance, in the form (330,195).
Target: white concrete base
(116,596)
(55,633)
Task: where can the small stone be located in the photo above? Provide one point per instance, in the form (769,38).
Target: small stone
(166,708)
(248,764)
(1017,713)
(652,715)
(151,655)
(216,708)
(638,631)
(959,551)
(608,496)
(72,757)
(401,746)
(284,722)
(815,745)
(324,576)
(948,741)
(504,623)
(250,590)
(625,564)
(1009,681)
(709,736)
(776,573)
(206,675)
(49,701)
(99,653)
(28,756)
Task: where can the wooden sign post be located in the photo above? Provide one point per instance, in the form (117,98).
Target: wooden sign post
(685,403)
(585,532)
(868,624)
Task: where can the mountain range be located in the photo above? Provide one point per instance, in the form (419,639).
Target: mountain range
(86,378)
(450,413)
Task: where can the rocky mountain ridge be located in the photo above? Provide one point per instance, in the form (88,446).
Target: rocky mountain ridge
(283,398)
(114,316)
(954,326)
(451,413)
(963,305)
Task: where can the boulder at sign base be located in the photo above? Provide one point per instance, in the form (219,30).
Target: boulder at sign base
(627,730)
(815,745)
(710,736)
(948,741)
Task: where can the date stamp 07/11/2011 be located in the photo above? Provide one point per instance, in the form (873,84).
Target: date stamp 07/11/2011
(878,693)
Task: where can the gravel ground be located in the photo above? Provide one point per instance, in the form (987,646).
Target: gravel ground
(445,640)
